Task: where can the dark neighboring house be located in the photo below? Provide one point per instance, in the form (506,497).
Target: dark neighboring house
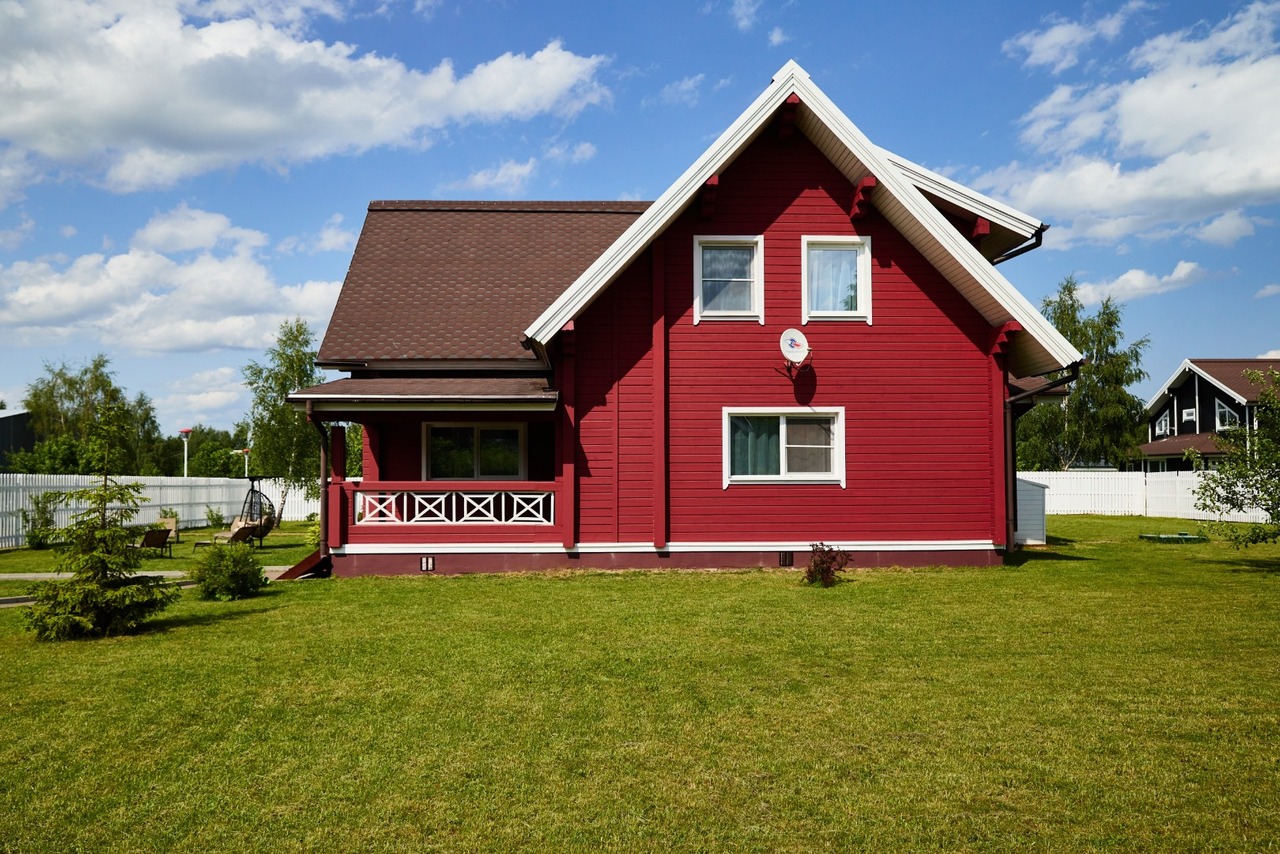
(1201,399)
(625,384)
(15,434)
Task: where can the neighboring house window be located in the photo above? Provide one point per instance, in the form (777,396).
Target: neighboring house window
(474,452)
(1227,416)
(836,272)
(1189,414)
(784,445)
(1159,465)
(1162,424)
(728,278)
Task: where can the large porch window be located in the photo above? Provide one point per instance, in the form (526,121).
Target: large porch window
(474,452)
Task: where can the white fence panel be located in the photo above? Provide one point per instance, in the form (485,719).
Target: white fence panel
(189,496)
(1116,493)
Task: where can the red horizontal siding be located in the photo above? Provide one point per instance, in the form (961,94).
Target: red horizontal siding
(915,384)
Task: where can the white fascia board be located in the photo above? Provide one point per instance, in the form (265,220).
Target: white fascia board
(1188,365)
(981,272)
(931,182)
(664,211)
(793,79)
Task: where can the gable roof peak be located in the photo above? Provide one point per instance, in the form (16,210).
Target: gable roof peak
(790,69)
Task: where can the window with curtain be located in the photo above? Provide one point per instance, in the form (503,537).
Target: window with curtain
(727,278)
(837,278)
(782,445)
(474,452)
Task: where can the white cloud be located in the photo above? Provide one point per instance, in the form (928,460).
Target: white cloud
(1139,283)
(777,37)
(190,281)
(563,153)
(12,238)
(683,92)
(1184,146)
(744,13)
(332,237)
(68,231)
(508,177)
(1268,291)
(1226,229)
(214,395)
(137,95)
(1270,354)
(1058,45)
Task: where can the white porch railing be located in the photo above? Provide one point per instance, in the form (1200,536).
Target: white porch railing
(453,507)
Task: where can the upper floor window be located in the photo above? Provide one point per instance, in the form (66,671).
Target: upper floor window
(783,445)
(1226,416)
(728,278)
(836,276)
(1162,424)
(474,451)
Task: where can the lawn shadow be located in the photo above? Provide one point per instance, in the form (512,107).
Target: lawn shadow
(1035,555)
(1265,566)
(1059,541)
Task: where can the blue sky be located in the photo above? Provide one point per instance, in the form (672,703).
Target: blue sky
(179,176)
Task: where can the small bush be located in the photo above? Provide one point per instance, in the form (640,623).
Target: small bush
(313,533)
(38,522)
(168,513)
(824,563)
(81,608)
(214,517)
(228,572)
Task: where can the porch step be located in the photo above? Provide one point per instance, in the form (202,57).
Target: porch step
(314,565)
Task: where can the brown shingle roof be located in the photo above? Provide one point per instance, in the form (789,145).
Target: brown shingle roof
(390,391)
(462,280)
(1230,373)
(1176,446)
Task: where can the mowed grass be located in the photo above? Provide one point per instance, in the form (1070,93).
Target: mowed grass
(1101,693)
(284,546)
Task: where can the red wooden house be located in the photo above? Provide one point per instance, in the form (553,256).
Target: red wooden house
(548,384)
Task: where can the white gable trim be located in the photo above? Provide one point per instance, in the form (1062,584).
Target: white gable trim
(1188,366)
(895,196)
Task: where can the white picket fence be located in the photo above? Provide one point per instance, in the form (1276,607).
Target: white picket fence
(1118,493)
(189,496)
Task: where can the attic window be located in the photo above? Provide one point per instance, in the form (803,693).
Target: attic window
(728,278)
(837,278)
(1162,424)
(1226,416)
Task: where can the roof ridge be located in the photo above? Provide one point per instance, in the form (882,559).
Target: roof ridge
(508,206)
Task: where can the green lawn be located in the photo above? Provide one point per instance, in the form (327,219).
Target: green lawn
(284,546)
(1103,692)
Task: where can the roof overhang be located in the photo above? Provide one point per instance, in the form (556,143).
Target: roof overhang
(428,394)
(1040,349)
(1189,366)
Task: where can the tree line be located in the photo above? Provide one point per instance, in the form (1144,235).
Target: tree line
(67,402)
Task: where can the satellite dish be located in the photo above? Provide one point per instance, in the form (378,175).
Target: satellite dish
(795,347)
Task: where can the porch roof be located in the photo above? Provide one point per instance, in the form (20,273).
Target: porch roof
(1176,446)
(437,394)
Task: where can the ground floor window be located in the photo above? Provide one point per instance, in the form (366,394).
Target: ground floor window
(783,445)
(474,452)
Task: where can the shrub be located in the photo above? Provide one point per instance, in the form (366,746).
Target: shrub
(82,608)
(38,522)
(313,533)
(824,563)
(168,513)
(228,572)
(214,517)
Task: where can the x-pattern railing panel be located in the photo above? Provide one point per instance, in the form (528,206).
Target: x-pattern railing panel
(454,507)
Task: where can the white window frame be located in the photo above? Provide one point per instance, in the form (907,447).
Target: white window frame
(837,473)
(756,242)
(1219,408)
(1162,424)
(1189,414)
(520,427)
(863,245)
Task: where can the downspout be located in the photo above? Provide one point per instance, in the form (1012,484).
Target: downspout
(1010,450)
(324,478)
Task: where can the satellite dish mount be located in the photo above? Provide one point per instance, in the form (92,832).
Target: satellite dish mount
(796,355)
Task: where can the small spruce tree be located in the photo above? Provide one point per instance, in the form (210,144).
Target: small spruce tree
(104,596)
